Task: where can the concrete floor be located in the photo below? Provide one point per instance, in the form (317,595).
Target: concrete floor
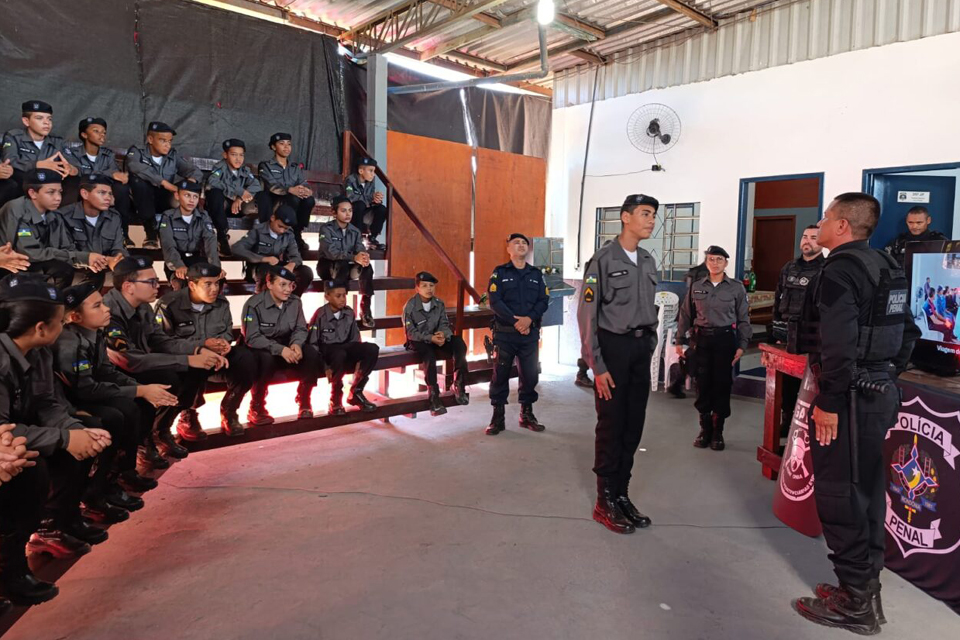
(428,529)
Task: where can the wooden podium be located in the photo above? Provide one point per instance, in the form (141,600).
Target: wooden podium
(779,363)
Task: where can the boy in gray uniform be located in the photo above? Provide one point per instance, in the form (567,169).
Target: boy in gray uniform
(187,236)
(31,148)
(153,176)
(283,182)
(94,226)
(230,187)
(271,243)
(275,331)
(343,256)
(359,188)
(430,335)
(334,333)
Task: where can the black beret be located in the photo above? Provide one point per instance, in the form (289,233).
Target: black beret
(160,127)
(277,137)
(426,276)
(42,176)
(233,142)
(280,271)
(333,284)
(86,122)
(714,250)
(192,187)
(36,106)
(203,270)
(75,295)
(367,162)
(28,286)
(639,198)
(286,215)
(337,201)
(131,265)
(514,236)
(91,179)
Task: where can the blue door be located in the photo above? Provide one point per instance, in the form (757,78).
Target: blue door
(893,214)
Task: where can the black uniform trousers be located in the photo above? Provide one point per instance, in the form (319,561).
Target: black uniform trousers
(714,361)
(183,384)
(149,201)
(852,514)
(121,198)
(379,218)
(267,364)
(239,376)
(11,188)
(342,271)
(69,479)
(429,353)
(122,419)
(790,389)
(620,420)
(358,357)
(218,206)
(56,272)
(267,203)
(526,351)
(21,509)
(257,272)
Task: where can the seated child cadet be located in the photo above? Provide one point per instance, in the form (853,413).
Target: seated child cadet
(187,236)
(271,243)
(283,182)
(359,188)
(343,257)
(95,226)
(31,148)
(230,187)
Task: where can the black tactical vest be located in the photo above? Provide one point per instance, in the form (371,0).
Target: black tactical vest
(799,275)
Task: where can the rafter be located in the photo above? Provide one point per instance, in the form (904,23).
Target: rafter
(691,12)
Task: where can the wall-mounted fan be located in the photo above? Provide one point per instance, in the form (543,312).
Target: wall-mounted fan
(653,128)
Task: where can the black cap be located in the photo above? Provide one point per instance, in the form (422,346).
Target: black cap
(192,187)
(86,122)
(131,265)
(286,215)
(36,106)
(203,270)
(229,143)
(277,137)
(639,198)
(514,236)
(714,250)
(160,127)
(337,201)
(92,179)
(42,176)
(367,162)
(281,271)
(28,286)
(426,276)
(333,284)
(75,295)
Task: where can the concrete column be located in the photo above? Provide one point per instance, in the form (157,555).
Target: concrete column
(377,109)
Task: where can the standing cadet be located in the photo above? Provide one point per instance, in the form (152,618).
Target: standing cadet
(283,182)
(197,315)
(271,243)
(93,157)
(359,188)
(334,333)
(343,256)
(31,148)
(519,297)
(429,334)
(94,225)
(33,227)
(918,230)
(230,187)
(866,336)
(275,330)
(618,328)
(187,236)
(715,310)
(153,176)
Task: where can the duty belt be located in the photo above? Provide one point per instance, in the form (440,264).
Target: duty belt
(713,331)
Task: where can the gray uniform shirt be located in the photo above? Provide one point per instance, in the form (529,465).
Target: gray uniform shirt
(359,191)
(340,244)
(136,340)
(39,236)
(105,162)
(180,320)
(180,239)
(420,324)
(106,238)
(232,183)
(326,328)
(279,179)
(721,306)
(88,375)
(618,296)
(141,164)
(267,326)
(23,154)
(258,243)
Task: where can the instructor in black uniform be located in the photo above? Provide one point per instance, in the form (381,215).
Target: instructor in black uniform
(618,328)
(865,342)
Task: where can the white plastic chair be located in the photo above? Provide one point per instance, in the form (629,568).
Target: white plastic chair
(669,303)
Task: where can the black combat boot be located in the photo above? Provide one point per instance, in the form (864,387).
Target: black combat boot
(170,445)
(583,380)
(717,443)
(83,531)
(460,388)
(528,420)
(133,481)
(607,511)
(117,497)
(229,421)
(59,544)
(436,406)
(16,580)
(706,431)
(149,456)
(825,590)
(357,399)
(676,388)
(628,509)
(846,607)
(5,606)
(103,512)
(336,400)
(304,403)
(366,316)
(257,414)
(498,422)
(189,428)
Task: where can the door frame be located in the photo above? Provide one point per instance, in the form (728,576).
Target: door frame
(742,208)
(870,175)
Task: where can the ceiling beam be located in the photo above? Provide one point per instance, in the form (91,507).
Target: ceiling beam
(694,14)
(476,61)
(456,43)
(588,56)
(579,25)
(485,18)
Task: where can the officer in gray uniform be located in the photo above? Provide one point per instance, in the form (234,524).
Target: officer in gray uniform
(94,226)
(275,331)
(270,243)
(360,189)
(716,310)
(230,188)
(344,257)
(618,327)
(31,148)
(154,170)
(187,236)
(283,182)
(334,333)
(197,315)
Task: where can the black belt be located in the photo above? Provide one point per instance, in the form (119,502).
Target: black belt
(713,331)
(639,333)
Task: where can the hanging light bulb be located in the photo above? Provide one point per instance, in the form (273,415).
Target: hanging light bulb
(545,11)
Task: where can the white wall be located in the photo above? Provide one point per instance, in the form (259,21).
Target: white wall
(894,105)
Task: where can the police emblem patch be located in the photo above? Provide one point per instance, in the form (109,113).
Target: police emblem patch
(591,280)
(896,302)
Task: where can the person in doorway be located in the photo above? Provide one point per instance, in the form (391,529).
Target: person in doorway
(360,190)
(187,236)
(283,182)
(343,257)
(918,230)
(31,148)
(230,188)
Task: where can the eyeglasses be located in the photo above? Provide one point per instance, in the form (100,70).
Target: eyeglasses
(153,282)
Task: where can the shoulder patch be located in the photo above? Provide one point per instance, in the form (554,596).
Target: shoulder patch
(81,365)
(591,280)
(588,294)
(158,318)
(493,288)
(114,333)
(493,275)
(248,318)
